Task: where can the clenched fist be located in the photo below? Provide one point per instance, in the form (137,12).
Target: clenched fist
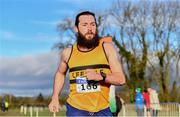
(92,75)
(54,105)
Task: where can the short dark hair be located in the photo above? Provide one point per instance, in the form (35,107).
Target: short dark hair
(83,13)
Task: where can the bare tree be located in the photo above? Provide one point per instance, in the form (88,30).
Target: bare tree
(145,32)
(164,16)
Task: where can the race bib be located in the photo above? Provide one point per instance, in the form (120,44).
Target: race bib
(82,86)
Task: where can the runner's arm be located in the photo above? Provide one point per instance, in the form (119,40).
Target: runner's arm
(60,75)
(116,76)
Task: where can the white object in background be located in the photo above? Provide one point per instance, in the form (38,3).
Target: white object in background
(124,110)
(31,111)
(54,114)
(37,111)
(25,110)
(21,109)
(179,110)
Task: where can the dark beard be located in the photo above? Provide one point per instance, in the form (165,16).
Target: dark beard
(89,44)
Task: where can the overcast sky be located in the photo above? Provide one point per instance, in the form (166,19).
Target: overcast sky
(28,31)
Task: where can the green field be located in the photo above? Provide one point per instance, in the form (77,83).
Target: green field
(16,112)
(168,110)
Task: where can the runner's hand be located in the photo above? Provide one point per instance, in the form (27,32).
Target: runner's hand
(54,105)
(92,75)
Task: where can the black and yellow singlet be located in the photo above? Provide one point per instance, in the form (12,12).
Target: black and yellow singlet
(91,96)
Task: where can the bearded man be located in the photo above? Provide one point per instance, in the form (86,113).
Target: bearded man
(93,66)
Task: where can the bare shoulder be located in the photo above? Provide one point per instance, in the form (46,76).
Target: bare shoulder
(65,54)
(109,47)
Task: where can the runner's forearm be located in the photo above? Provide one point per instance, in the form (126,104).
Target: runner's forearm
(115,79)
(58,85)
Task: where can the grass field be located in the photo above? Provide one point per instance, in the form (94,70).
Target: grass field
(16,112)
(168,110)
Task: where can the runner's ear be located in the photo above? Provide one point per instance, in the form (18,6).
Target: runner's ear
(76,29)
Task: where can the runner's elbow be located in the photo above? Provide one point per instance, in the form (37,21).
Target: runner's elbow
(121,81)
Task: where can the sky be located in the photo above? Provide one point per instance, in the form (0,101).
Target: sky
(28,31)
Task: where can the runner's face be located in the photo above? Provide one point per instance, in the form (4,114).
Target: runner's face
(87,26)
